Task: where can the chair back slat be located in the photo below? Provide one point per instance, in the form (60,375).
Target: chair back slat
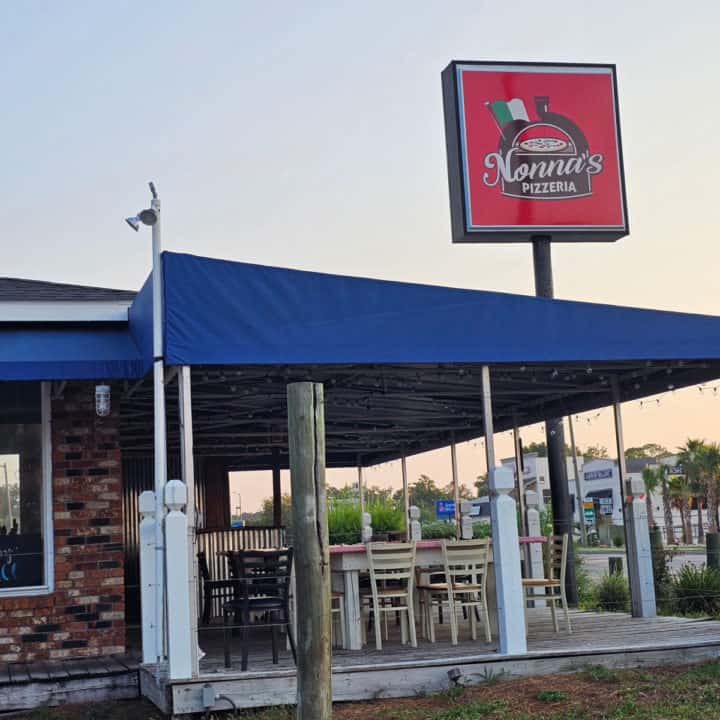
(261,573)
(391,562)
(466,560)
(556,552)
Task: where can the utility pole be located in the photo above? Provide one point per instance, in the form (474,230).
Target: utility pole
(554,432)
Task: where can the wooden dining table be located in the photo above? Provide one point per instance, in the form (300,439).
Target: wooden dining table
(347,562)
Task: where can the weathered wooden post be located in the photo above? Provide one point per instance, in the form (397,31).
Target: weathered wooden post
(306,436)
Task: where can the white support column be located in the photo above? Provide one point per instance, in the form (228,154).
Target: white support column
(180,640)
(148,576)
(506,542)
(406,498)
(187,462)
(456,489)
(637,532)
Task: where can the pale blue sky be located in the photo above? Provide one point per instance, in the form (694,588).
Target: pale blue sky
(310,135)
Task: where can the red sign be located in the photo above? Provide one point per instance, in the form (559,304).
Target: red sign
(534,150)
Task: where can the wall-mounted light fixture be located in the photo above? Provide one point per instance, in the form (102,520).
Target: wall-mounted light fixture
(102,400)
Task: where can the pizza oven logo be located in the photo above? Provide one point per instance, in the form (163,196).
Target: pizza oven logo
(543,159)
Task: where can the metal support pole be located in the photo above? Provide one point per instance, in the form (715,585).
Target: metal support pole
(554,432)
(456,488)
(520,472)
(579,491)
(277,489)
(361,490)
(488,427)
(187,460)
(160,441)
(406,496)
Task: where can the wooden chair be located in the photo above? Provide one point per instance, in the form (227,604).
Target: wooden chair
(392,580)
(337,612)
(556,550)
(263,580)
(463,587)
(220,590)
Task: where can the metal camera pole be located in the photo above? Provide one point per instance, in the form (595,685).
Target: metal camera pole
(554,431)
(160,446)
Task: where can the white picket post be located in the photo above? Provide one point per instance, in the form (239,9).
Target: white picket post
(148,578)
(415,527)
(180,638)
(506,563)
(366,531)
(639,551)
(536,568)
(466,525)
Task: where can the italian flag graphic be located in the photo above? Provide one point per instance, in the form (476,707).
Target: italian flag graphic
(506,111)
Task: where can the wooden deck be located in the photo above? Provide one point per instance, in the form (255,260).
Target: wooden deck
(611,639)
(28,685)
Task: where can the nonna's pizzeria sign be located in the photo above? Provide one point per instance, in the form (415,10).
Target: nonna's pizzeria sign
(534,149)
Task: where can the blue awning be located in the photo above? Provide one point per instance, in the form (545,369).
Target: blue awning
(68,353)
(228,313)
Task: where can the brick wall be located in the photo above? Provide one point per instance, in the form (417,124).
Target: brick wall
(85,615)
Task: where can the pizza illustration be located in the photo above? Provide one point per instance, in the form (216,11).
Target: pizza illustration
(543,145)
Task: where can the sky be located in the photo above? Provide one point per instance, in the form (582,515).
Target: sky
(310,135)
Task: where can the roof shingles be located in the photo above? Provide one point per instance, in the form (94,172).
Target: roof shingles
(20,290)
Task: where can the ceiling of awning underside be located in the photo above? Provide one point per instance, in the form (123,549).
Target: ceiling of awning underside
(376,413)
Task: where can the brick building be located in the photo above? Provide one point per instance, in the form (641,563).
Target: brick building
(61,521)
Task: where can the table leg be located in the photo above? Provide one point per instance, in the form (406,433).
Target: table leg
(353,616)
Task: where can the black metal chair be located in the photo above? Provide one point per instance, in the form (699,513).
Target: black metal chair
(220,590)
(262,579)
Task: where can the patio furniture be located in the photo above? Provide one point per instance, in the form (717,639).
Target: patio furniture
(392,580)
(262,598)
(464,586)
(554,583)
(337,612)
(213,590)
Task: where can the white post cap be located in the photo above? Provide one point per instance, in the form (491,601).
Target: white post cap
(146,503)
(175,494)
(501,479)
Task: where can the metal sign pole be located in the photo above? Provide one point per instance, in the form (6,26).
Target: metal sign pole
(554,431)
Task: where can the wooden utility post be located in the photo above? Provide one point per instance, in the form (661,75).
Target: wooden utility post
(277,488)
(306,435)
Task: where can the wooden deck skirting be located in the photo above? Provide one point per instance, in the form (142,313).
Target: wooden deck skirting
(24,686)
(612,640)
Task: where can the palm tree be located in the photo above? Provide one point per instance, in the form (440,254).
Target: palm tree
(680,494)
(690,457)
(652,481)
(663,473)
(710,462)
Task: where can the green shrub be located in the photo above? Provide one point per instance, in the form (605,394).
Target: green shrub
(344,523)
(387,516)
(583,582)
(697,590)
(618,541)
(482,530)
(438,530)
(612,593)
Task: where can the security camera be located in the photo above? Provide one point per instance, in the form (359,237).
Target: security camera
(148,217)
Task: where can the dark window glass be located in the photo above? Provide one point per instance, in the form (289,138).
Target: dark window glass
(21,486)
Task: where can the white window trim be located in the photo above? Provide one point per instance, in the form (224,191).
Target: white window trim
(48,526)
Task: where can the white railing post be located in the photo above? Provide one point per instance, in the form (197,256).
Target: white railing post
(506,563)
(366,531)
(466,524)
(534,555)
(415,526)
(180,639)
(148,577)
(639,550)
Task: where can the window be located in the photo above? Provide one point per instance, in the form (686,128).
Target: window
(25,508)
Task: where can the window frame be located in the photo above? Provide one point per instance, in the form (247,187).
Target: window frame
(47,506)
